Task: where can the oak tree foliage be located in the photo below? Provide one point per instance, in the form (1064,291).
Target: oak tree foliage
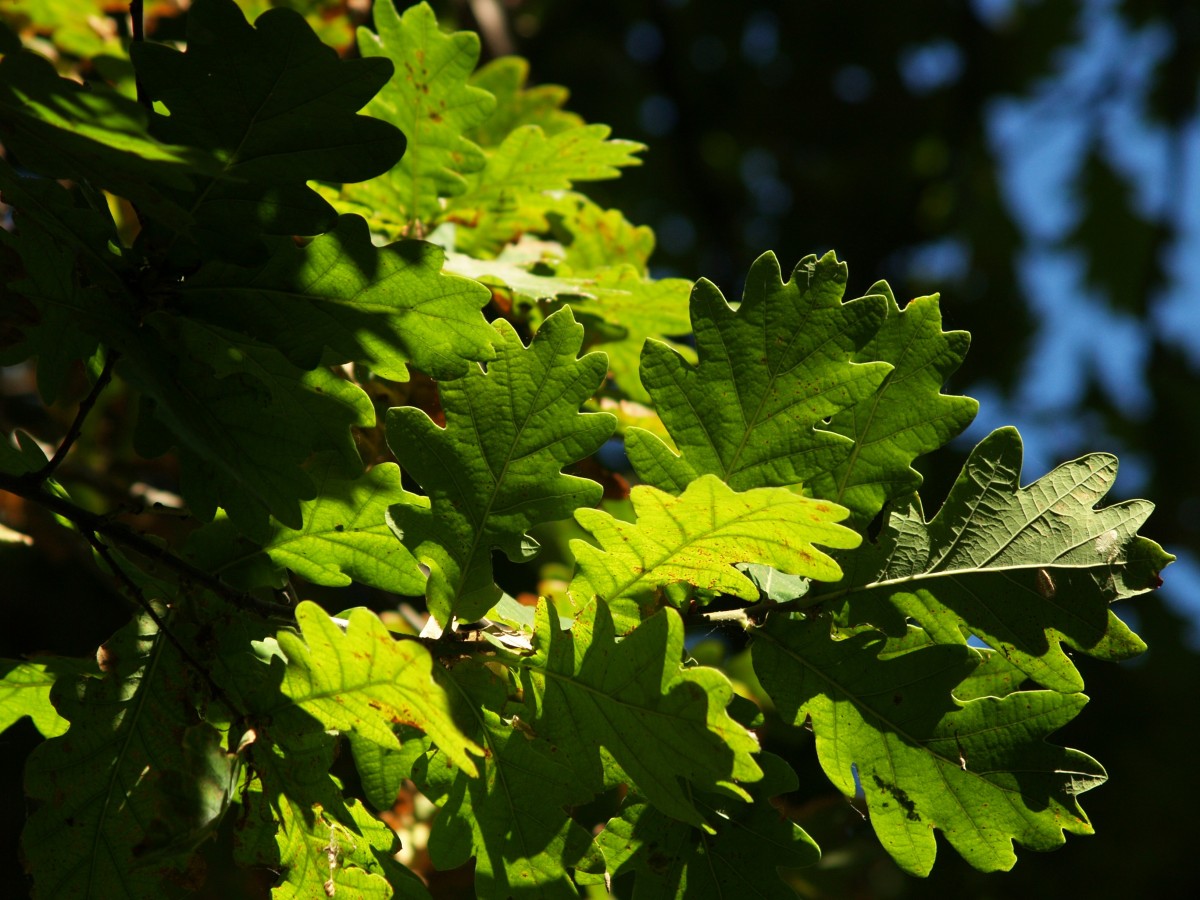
(376,333)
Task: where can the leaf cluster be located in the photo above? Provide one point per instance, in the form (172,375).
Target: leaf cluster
(357,309)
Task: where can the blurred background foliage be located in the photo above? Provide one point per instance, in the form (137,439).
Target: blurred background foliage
(1038,163)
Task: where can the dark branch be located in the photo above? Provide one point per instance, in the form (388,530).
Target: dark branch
(119,533)
(140,598)
(72,435)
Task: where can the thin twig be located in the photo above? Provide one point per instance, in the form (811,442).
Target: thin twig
(139,34)
(140,598)
(72,435)
(126,537)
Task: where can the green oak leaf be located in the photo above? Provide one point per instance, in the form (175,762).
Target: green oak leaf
(769,373)
(595,238)
(674,860)
(387,307)
(277,108)
(236,451)
(1025,569)
(495,470)
(123,796)
(514,192)
(906,417)
(630,712)
(623,309)
(696,538)
(62,309)
(344,539)
(513,818)
(618,307)
(517,104)
(298,823)
(364,681)
(61,129)
(979,771)
(428,98)
(25,691)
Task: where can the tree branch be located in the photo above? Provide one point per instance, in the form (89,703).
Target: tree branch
(72,435)
(131,540)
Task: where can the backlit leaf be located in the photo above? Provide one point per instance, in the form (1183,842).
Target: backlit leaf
(632,708)
(1027,570)
(365,681)
(383,306)
(906,417)
(769,373)
(429,99)
(495,470)
(697,537)
(981,772)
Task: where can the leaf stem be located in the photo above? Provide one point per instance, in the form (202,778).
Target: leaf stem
(36,479)
(126,537)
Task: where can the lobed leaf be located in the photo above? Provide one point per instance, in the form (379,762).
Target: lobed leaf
(906,417)
(276,108)
(512,194)
(298,823)
(344,537)
(134,783)
(674,860)
(25,691)
(979,771)
(769,373)
(364,681)
(64,130)
(629,712)
(495,470)
(387,307)
(505,78)
(513,818)
(430,100)
(1026,570)
(697,537)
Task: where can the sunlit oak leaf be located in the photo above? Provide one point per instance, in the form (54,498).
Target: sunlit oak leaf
(981,772)
(495,470)
(595,238)
(387,307)
(907,417)
(344,539)
(277,108)
(522,178)
(518,104)
(365,681)
(25,691)
(1029,570)
(515,818)
(696,538)
(674,860)
(297,823)
(429,99)
(771,371)
(631,711)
